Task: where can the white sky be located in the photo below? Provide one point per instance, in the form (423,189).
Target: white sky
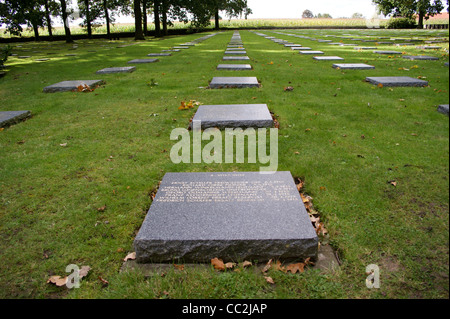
(294,8)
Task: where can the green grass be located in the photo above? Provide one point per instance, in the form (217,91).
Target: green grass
(50,194)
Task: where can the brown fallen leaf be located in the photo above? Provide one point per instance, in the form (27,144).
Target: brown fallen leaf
(267,266)
(393,183)
(130,256)
(101,209)
(294,268)
(246,264)
(279,267)
(218,264)
(84,271)
(57,280)
(104,282)
(179,267)
(288,88)
(230,265)
(269,280)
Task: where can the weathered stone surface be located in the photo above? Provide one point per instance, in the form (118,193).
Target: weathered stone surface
(234,67)
(443,108)
(393,81)
(328,58)
(419,57)
(233,216)
(159,54)
(234,82)
(235,58)
(353,66)
(139,61)
(126,69)
(11,117)
(65,86)
(235,115)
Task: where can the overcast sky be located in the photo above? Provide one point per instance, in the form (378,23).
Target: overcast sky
(294,8)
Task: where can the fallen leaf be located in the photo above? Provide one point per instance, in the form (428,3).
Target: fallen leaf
(267,266)
(269,280)
(101,209)
(130,256)
(230,265)
(179,267)
(380,85)
(104,282)
(246,264)
(63,145)
(294,268)
(218,264)
(57,280)
(393,183)
(84,271)
(279,267)
(288,88)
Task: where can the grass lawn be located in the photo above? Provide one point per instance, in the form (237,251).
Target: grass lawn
(346,138)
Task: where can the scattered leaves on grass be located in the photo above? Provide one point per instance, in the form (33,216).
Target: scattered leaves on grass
(84,88)
(179,267)
(101,209)
(57,280)
(267,266)
(230,265)
(393,183)
(188,105)
(246,264)
(63,144)
(218,264)
(104,282)
(294,268)
(269,280)
(130,256)
(288,88)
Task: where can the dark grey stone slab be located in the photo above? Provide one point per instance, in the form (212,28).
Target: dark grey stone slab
(233,216)
(443,109)
(11,117)
(234,82)
(429,47)
(140,61)
(419,57)
(65,86)
(235,115)
(393,81)
(387,52)
(234,67)
(126,69)
(365,48)
(328,58)
(236,58)
(353,66)
(159,54)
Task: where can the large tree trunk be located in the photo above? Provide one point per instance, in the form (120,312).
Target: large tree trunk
(144,16)
(164,17)
(49,21)
(216,18)
(88,18)
(421,17)
(108,28)
(157,21)
(66,22)
(138,20)
(36,31)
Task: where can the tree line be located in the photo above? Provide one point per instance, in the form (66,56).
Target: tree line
(14,14)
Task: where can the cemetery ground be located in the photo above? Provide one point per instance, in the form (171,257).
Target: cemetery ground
(77,178)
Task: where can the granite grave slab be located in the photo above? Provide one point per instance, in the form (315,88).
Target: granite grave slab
(235,115)
(387,52)
(233,216)
(310,52)
(397,81)
(234,82)
(353,66)
(235,58)
(141,61)
(159,54)
(328,58)
(66,86)
(126,69)
(443,108)
(234,67)
(8,118)
(419,57)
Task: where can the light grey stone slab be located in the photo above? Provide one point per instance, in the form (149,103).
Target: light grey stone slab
(429,47)
(173,50)
(140,61)
(180,47)
(365,48)
(311,52)
(443,109)
(234,82)
(235,52)
(397,81)
(159,54)
(328,58)
(65,86)
(300,48)
(234,67)
(387,52)
(126,69)
(235,115)
(235,58)
(235,49)
(353,66)
(11,117)
(232,216)
(419,57)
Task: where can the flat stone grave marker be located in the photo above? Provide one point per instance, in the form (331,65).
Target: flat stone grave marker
(311,52)
(235,46)
(159,54)
(365,48)
(300,48)
(235,49)
(126,69)
(236,115)
(234,82)
(11,117)
(173,50)
(290,45)
(24,57)
(387,52)
(419,57)
(234,67)
(235,52)
(403,44)
(235,58)
(233,216)
(139,61)
(181,47)
(397,81)
(327,58)
(65,86)
(42,60)
(443,109)
(353,66)
(428,47)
